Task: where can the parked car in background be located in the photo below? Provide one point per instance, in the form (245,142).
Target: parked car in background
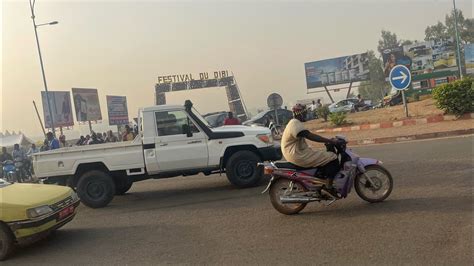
(29,212)
(345,106)
(260,119)
(216,119)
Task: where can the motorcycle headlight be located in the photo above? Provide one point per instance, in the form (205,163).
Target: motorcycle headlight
(38,211)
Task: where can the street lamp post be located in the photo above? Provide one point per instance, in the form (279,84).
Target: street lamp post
(457,39)
(32,6)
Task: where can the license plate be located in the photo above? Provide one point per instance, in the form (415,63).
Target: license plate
(66,212)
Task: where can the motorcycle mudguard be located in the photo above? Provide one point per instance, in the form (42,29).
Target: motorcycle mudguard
(363,162)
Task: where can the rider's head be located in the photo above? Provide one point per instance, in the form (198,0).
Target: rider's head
(299,112)
(16,147)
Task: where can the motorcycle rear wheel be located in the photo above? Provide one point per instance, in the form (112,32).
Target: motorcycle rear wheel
(277,189)
(383,181)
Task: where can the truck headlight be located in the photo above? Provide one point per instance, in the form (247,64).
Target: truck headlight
(38,211)
(265,138)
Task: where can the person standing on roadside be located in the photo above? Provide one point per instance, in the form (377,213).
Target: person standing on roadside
(128,134)
(111,137)
(231,120)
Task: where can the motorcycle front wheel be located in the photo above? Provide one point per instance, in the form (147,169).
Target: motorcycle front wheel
(281,188)
(380,187)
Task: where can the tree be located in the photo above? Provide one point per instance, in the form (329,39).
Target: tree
(388,40)
(377,87)
(446,30)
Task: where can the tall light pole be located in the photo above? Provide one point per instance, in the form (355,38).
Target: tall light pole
(32,7)
(457,39)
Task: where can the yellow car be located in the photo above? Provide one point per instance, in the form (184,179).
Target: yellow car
(31,211)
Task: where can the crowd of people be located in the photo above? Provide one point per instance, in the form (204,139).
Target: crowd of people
(107,137)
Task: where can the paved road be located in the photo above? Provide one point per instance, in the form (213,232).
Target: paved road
(204,220)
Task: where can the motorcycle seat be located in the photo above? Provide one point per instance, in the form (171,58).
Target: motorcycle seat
(292,166)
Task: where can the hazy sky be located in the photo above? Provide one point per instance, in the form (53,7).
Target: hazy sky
(121,47)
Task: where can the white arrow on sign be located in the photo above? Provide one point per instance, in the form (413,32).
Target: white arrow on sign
(403,77)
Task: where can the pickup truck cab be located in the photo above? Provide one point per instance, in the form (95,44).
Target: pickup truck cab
(172,141)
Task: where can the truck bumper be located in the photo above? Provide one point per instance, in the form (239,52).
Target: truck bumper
(272,153)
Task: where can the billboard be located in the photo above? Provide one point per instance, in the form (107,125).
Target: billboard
(422,57)
(338,70)
(117,110)
(60,103)
(86,104)
(469,57)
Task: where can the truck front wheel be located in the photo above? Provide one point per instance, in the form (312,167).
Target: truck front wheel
(242,169)
(95,189)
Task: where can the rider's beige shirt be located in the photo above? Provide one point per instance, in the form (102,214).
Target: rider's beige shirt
(296,150)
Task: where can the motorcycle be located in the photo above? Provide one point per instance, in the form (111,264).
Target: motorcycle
(22,170)
(9,171)
(291,187)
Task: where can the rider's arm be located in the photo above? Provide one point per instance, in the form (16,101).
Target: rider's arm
(313,137)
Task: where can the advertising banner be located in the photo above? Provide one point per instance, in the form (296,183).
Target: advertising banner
(339,70)
(86,104)
(469,57)
(422,57)
(60,103)
(117,110)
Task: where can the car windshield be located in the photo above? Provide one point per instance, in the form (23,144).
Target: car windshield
(199,116)
(4,183)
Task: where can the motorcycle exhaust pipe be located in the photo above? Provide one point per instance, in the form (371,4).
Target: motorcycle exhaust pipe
(285,200)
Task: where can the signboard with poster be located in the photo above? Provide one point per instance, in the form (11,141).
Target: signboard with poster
(86,104)
(60,103)
(340,70)
(117,110)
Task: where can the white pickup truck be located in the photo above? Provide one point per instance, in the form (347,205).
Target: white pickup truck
(172,141)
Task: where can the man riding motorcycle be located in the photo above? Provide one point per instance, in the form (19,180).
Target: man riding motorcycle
(296,150)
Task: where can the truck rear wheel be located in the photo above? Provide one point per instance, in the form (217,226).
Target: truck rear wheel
(242,169)
(95,189)
(122,185)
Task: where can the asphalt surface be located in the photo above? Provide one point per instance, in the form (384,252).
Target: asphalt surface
(204,220)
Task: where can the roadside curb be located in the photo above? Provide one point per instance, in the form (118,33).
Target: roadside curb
(400,123)
(413,137)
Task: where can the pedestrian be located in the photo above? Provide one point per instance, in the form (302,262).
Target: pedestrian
(32,150)
(128,134)
(94,139)
(62,141)
(87,140)
(80,141)
(5,156)
(111,137)
(53,142)
(231,120)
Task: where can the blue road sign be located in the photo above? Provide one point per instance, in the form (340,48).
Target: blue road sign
(400,77)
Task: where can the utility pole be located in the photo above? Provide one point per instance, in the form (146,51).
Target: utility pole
(457,39)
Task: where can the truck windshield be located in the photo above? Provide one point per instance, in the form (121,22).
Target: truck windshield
(199,116)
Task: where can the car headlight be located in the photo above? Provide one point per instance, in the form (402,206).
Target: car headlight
(265,138)
(38,211)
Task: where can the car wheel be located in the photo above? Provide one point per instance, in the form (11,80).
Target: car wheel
(242,169)
(95,189)
(6,242)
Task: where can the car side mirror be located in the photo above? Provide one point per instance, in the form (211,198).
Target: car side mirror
(187,131)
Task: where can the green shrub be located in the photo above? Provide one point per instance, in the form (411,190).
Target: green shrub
(455,98)
(323,112)
(338,118)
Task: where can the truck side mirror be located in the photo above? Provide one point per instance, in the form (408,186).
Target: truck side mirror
(187,131)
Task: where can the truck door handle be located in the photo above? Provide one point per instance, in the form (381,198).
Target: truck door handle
(194,141)
(163,144)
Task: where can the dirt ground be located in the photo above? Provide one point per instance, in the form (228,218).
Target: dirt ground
(394,113)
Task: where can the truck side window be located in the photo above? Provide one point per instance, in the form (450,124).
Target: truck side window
(172,122)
